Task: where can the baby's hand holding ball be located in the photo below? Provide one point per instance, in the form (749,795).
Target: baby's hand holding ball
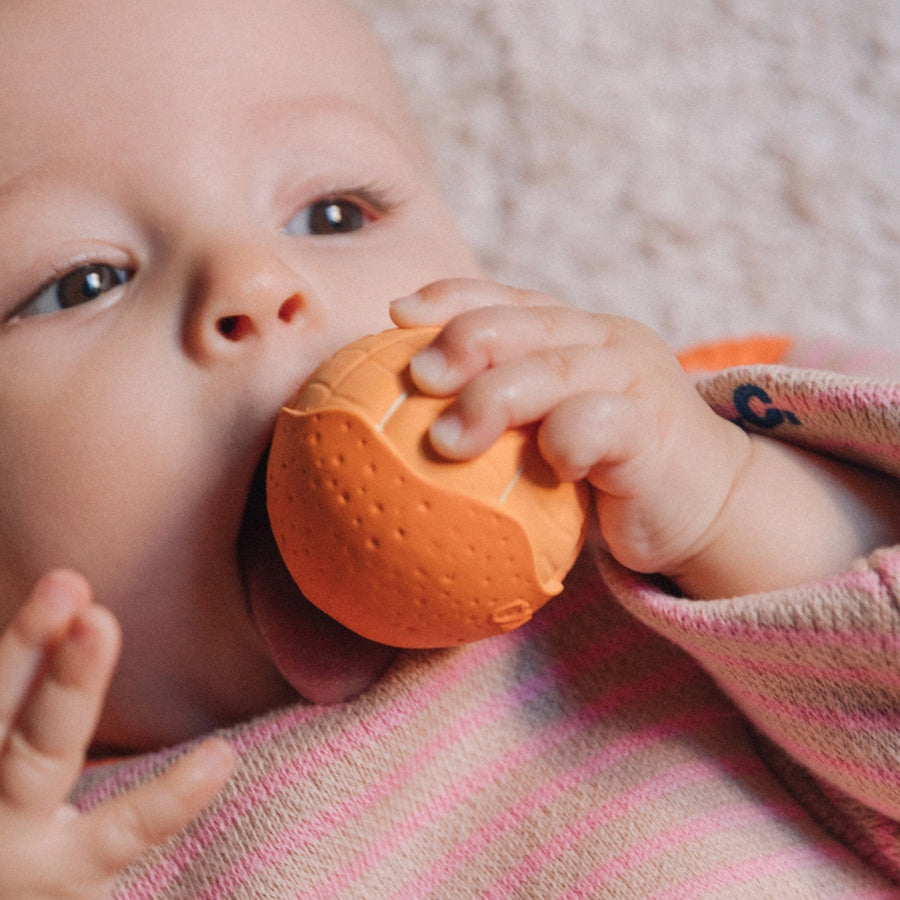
(396,542)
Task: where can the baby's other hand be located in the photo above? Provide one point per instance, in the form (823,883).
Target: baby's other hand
(614,406)
(56,659)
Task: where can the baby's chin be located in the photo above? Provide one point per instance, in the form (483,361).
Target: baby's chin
(324,662)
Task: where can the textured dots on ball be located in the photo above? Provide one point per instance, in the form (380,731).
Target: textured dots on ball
(410,549)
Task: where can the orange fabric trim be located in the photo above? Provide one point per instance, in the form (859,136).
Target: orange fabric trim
(762,349)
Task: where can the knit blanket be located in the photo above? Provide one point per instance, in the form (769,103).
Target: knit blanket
(711,167)
(626,743)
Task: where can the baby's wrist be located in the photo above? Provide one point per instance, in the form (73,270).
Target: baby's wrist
(713,564)
(792,517)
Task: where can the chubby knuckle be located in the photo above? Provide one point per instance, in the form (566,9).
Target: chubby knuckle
(471,334)
(458,332)
(548,319)
(533,298)
(136,830)
(481,394)
(33,769)
(559,363)
(635,331)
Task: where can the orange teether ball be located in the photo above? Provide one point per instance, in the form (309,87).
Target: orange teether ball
(395,542)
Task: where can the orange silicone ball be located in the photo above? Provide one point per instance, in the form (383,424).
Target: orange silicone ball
(395,542)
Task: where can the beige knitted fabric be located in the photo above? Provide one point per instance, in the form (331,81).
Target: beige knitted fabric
(627,743)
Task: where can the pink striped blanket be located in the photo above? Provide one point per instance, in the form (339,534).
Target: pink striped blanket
(628,743)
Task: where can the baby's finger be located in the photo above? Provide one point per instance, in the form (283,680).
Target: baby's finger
(480,339)
(120,830)
(38,624)
(440,301)
(509,395)
(591,435)
(46,745)
(527,388)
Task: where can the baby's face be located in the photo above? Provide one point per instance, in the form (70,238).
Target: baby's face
(199,201)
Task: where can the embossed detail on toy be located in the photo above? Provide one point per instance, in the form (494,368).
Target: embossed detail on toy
(512,615)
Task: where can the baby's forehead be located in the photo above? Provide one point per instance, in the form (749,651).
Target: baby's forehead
(175,64)
(59,48)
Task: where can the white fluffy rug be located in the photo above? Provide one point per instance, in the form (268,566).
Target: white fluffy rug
(708,166)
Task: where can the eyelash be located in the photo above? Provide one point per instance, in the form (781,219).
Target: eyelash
(121,273)
(374,203)
(380,200)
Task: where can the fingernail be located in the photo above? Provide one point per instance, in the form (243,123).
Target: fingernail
(56,593)
(215,757)
(429,369)
(404,304)
(445,433)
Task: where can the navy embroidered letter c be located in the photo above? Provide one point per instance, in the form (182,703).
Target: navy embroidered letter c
(772,417)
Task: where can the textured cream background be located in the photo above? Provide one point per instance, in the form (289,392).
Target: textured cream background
(708,166)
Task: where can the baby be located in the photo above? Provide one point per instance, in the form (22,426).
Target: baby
(199,202)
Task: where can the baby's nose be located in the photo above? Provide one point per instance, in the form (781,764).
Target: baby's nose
(240,325)
(241,295)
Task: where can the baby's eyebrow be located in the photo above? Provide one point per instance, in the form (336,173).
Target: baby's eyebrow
(13,188)
(278,115)
(51,182)
(27,185)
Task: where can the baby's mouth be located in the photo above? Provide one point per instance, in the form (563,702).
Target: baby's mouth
(321,659)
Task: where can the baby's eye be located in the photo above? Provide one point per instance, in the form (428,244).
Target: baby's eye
(331,216)
(78,286)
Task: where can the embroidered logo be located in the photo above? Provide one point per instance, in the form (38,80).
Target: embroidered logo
(755,407)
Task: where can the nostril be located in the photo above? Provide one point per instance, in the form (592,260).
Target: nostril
(238,326)
(234,328)
(290,308)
